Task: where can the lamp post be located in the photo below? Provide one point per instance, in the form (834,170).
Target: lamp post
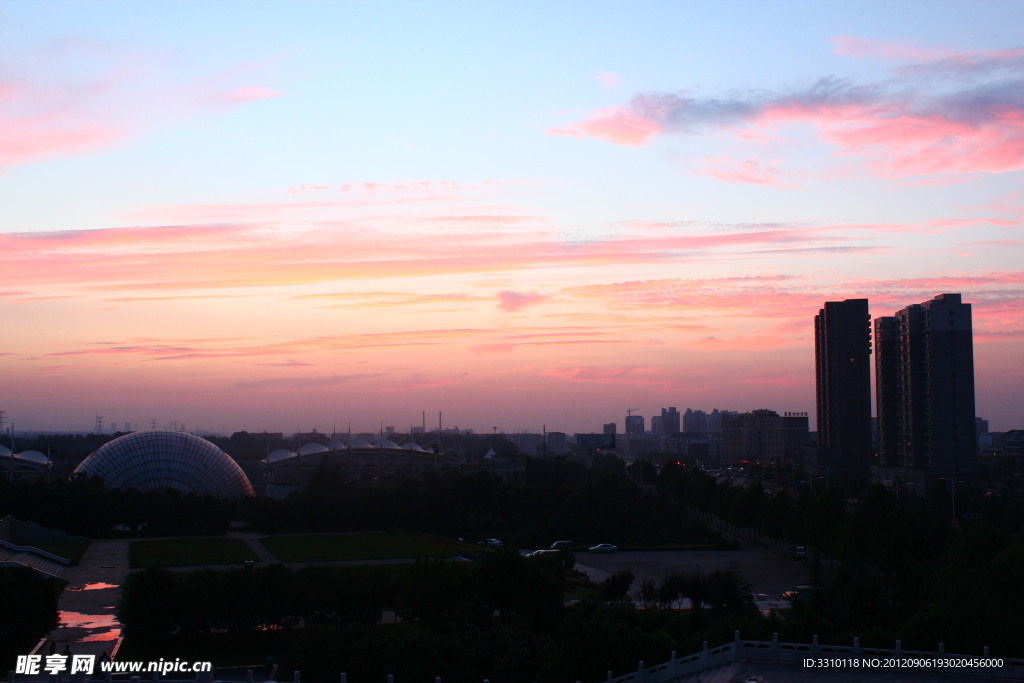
(952,492)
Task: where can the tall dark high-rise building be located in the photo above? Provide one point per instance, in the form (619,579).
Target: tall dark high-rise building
(842,346)
(925,387)
(697,421)
(634,424)
(669,423)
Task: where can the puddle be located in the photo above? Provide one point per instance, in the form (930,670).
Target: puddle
(79,620)
(103,637)
(97,586)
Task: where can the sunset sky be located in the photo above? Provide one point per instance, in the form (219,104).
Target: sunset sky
(296,215)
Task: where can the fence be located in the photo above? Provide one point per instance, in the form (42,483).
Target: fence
(775,651)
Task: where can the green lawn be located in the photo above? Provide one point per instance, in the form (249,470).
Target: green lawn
(188,552)
(390,545)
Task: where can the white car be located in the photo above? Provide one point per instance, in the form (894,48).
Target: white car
(491,543)
(603,548)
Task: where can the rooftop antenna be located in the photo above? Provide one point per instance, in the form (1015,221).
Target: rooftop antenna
(99,424)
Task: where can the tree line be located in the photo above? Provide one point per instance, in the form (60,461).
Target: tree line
(504,617)
(904,568)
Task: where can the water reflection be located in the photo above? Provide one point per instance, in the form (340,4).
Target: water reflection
(99,585)
(79,620)
(104,636)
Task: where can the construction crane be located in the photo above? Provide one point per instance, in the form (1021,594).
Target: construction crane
(630,411)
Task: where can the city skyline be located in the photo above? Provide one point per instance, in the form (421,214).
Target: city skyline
(284,216)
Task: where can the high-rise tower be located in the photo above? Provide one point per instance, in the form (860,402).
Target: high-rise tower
(842,345)
(925,387)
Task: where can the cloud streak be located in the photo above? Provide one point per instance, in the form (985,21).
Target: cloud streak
(103,96)
(967,116)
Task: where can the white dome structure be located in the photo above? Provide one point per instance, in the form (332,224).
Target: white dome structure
(278,454)
(157,459)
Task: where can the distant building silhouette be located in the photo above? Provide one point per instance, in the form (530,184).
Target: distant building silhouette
(696,421)
(656,425)
(763,436)
(925,387)
(668,422)
(557,443)
(842,345)
(609,428)
(634,424)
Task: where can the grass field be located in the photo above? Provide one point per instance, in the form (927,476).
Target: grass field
(188,552)
(390,545)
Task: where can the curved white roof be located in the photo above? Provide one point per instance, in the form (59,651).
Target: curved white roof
(34,457)
(310,448)
(4,451)
(338,444)
(359,443)
(412,447)
(279,454)
(385,443)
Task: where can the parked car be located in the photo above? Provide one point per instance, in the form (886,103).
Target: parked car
(542,553)
(491,543)
(603,548)
(561,545)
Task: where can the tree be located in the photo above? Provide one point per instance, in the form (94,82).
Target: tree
(28,609)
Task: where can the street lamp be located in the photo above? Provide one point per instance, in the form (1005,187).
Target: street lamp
(952,493)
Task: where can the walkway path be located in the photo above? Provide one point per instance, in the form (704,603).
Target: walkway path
(88,623)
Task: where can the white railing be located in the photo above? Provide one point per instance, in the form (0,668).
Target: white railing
(32,550)
(774,651)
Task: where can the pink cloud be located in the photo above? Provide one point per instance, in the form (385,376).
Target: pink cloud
(851,46)
(607,79)
(619,126)
(970,118)
(240,95)
(512,301)
(111,96)
(493,348)
(749,171)
(924,60)
(124,262)
(635,376)
(753,343)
